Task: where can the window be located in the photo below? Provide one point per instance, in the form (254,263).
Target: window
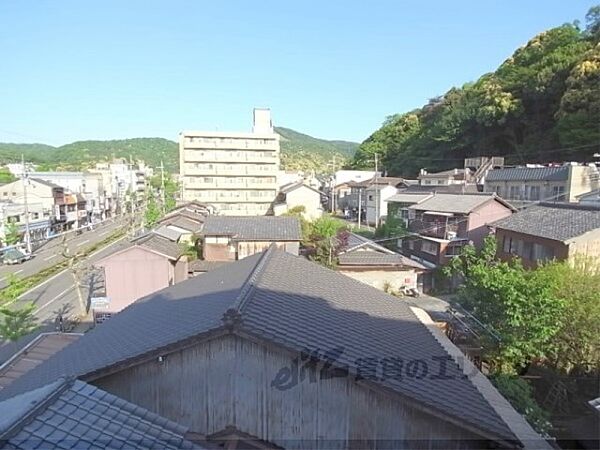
(498,190)
(370,198)
(35,215)
(558,193)
(527,250)
(411,244)
(453,250)
(515,244)
(532,192)
(506,244)
(515,192)
(426,181)
(542,252)
(429,247)
(5,194)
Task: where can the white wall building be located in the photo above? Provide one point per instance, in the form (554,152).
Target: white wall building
(376,202)
(234,172)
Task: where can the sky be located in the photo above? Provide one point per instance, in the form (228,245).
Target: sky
(111,69)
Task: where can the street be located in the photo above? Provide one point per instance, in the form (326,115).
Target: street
(51,252)
(58,295)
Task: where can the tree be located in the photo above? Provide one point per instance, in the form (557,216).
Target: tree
(326,237)
(576,347)
(153,212)
(16,323)
(171,189)
(305,226)
(519,306)
(11,233)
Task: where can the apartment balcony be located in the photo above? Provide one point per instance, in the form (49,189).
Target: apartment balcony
(230,143)
(234,170)
(435,229)
(223,183)
(233,157)
(233,197)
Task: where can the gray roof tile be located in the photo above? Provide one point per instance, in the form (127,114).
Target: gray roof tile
(159,244)
(528,174)
(270,293)
(456,203)
(42,420)
(269,228)
(556,221)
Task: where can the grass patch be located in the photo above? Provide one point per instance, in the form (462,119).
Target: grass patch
(17,286)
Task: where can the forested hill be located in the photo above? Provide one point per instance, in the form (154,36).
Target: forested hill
(304,152)
(541,105)
(298,151)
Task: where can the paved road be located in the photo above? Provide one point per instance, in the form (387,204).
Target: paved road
(51,252)
(58,295)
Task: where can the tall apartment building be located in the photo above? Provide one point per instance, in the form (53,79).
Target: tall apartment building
(234,172)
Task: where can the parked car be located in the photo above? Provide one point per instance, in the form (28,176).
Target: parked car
(14,256)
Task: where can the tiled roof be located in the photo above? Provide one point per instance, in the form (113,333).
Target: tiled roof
(446,188)
(455,203)
(201,265)
(376,259)
(169,233)
(528,174)
(72,414)
(42,347)
(267,295)
(293,186)
(268,228)
(407,197)
(159,244)
(556,221)
(183,222)
(361,251)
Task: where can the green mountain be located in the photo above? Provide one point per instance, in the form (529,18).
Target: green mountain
(299,151)
(303,152)
(541,105)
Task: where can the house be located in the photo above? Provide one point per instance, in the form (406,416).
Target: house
(187,223)
(590,198)
(376,193)
(68,413)
(343,182)
(39,219)
(546,183)
(226,238)
(373,264)
(445,178)
(150,264)
(549,231)
(442,224)
(299,194)
(40,348)
(278,348)
(398,204)
(201,266)
(49,195)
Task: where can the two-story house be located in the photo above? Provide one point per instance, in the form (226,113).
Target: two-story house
(377,192)
(50,196)
(298,194)
(440,225)
(553,184)
(228,238)
(549,231)
(445,178)
(270,352)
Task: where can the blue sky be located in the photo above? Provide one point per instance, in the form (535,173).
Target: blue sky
(111,69)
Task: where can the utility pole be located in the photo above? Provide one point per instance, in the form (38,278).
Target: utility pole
(23,178)
(376,192)
(333,185)
(359,206)
(162,187)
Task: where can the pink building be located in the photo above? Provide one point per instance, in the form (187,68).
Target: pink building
(150,264)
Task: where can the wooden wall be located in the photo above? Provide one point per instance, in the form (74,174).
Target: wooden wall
(227,381)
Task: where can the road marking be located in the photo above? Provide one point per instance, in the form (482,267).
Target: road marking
(54,299)
(81,243)
(50,257)
(106,232)
(63,271)
(19,271)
